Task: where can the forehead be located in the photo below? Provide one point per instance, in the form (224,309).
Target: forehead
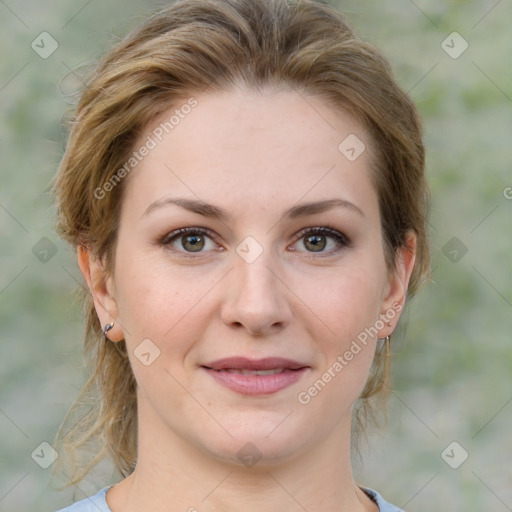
(247,148)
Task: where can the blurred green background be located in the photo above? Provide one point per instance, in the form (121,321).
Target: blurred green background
(452,369)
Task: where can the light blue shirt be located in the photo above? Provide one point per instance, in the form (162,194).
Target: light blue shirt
(98,503)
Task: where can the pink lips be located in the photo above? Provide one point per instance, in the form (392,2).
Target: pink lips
(239,374)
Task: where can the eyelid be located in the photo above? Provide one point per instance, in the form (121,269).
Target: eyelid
(341,239)
(184,231)
(325,230)
(166,240)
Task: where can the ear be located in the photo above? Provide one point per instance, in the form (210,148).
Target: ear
(102,290)
(398,281)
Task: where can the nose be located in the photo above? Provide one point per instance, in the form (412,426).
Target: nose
(255,298)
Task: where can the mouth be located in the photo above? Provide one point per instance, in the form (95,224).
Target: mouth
(256,376)
(273,371)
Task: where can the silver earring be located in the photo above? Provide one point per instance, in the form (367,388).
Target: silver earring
(107,328)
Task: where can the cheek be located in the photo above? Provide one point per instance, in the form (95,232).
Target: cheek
(350,306)
(352,299)
(146,303)
(164,303)
(164,306)
(150,299)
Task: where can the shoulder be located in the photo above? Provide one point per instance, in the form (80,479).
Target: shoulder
(96,503)
(383,505)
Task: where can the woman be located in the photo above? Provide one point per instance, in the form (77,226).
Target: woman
(244,184)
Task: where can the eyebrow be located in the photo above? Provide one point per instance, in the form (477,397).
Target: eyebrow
(212,211)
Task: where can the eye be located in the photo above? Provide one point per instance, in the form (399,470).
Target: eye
(317,239)
(189,240)
(195,240)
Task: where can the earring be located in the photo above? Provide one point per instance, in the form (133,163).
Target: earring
(107,328)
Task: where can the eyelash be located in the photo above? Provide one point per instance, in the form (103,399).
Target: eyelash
(341,240)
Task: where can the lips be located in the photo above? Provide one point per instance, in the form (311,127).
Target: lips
(242,363)
(256,376)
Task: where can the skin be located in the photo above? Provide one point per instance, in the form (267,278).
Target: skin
(254,154)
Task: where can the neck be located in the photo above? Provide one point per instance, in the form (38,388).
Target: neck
(174,475)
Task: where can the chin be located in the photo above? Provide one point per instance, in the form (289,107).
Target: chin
(255,454)
(259,440)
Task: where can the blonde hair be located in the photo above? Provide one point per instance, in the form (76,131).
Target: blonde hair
(213,45)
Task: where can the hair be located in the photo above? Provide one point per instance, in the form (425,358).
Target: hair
(193,46)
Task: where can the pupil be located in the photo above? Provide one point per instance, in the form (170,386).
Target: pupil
(317,241)
(196,243)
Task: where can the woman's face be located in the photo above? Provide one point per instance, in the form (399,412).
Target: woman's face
(279,282)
